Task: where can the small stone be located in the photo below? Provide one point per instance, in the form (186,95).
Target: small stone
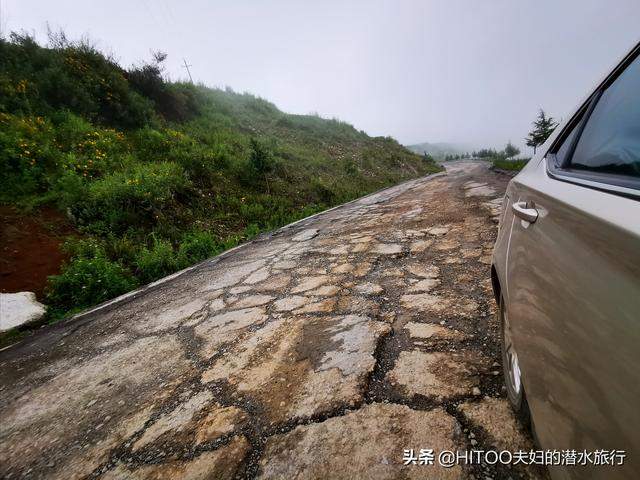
(19,308)
(476,391)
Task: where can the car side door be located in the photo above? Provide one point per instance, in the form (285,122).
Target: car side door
(573,274)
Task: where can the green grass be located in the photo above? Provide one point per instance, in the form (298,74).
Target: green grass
(510,165)
(155,175)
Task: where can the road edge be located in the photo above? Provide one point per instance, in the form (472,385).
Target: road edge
(133,294)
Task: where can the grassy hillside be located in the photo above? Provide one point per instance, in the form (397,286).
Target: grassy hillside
(155,176)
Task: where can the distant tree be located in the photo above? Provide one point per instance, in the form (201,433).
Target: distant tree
(175,104)
(543,126)
(486,153)
(427,158)
(511,150)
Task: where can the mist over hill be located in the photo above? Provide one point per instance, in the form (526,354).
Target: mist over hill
(440,149)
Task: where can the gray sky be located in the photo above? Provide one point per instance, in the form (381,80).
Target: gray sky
(457,71)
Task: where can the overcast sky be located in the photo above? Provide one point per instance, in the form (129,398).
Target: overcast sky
(454,71)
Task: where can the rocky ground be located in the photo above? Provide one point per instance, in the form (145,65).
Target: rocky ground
(321,351)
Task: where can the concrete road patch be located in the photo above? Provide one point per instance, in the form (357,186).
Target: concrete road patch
(320,351)
(367,443)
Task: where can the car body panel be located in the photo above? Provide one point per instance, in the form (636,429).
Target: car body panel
(571,285)
(573,297)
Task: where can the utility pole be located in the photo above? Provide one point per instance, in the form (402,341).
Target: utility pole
(187,67)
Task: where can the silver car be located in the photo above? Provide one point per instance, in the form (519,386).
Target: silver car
(566,276)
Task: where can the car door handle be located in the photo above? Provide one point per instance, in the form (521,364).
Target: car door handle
(522,210)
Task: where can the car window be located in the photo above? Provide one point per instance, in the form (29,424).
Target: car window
(565,148)
(610,141)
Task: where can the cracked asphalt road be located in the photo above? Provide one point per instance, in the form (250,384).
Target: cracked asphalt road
(320,351)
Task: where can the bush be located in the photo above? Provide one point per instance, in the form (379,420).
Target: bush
(156,262)
(71,129)
(197,246)
(89,278)
(260,159)
(28,155)
(512,165)
(174,102)
(150,144)
(68,190)
(136,198)
(70,75)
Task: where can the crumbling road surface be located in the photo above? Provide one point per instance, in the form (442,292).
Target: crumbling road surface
(321,351)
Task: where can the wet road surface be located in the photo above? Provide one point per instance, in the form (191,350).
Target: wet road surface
(320,351)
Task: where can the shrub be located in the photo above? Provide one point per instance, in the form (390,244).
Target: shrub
(174,102)
(139,197)
(197,246)
(70,128)
(260,159)
(151,144)
(89,278)
(68,190)
(125,248)
(512,165)
(69,75)
(156,262)
(322,191)
(27,155)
